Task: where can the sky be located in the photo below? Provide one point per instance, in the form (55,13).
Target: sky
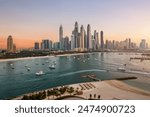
(33,20)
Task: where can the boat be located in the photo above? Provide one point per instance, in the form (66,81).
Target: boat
(122,69)
(11,64)
(52,66)
(28,69)
(26,65)
(39,73)
(46,61)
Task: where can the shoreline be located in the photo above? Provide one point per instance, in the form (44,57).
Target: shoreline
(67,54)
(27,58)
(112,89)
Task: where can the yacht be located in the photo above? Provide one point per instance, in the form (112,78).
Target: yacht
(52,66)
(28,69)
(39,73)
(11,64)
(46,61)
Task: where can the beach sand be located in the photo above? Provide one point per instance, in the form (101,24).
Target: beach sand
(108,90)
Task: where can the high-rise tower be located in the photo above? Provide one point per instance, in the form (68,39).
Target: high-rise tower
(76,38)
(9,43)
(82,37)
(89,41)
(102,39)
(60,37)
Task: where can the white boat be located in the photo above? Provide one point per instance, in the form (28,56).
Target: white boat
(11,64)
(28,69)
(39,73)
(46,61)
(52,66)
(26,65)
(122,69)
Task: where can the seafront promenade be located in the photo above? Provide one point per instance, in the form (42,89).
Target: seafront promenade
(100,90)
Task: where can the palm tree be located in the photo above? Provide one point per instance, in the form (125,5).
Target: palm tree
(94,96)
(90,96)
(70,90)
(99,97)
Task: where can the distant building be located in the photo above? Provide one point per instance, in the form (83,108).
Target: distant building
(85,40)
(50,45)
(61,37)
(66,43)
(45,45)
(106,44)
(76,36)
(130,43)
(113,44)
(82,38)
(14,47)
(10,44)
(36,46)
(89,41)
(96,40)
(143,44)
(56,46)
(102,39)
(72,42)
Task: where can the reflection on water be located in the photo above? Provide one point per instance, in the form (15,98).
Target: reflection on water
(16,79)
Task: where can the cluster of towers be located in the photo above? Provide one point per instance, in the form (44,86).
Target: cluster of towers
(82,40)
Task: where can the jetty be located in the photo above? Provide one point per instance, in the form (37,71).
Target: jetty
(91,76)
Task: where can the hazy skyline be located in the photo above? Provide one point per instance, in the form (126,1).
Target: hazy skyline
(33,20)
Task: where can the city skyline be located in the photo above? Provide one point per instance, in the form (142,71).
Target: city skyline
(30,21)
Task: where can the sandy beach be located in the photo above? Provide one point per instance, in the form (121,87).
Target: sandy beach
(108,90)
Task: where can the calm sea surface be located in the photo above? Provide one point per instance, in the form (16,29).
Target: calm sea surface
(68,70)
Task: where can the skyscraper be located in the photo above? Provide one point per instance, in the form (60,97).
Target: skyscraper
(61,37)
(45,44)
(102,40)
(14,47)
(50,44)
(95,40)
(66,43)
(76,35)
(72,42)
(36,46)
(143,44)
(82,37)
(129,43)
(89,41)
(85,40)
(9,43)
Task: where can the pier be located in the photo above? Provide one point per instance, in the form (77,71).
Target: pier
(91,76)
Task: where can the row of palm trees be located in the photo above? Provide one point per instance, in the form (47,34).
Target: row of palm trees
(55,92)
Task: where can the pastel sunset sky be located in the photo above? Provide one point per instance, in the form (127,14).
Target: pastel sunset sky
(33,20)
